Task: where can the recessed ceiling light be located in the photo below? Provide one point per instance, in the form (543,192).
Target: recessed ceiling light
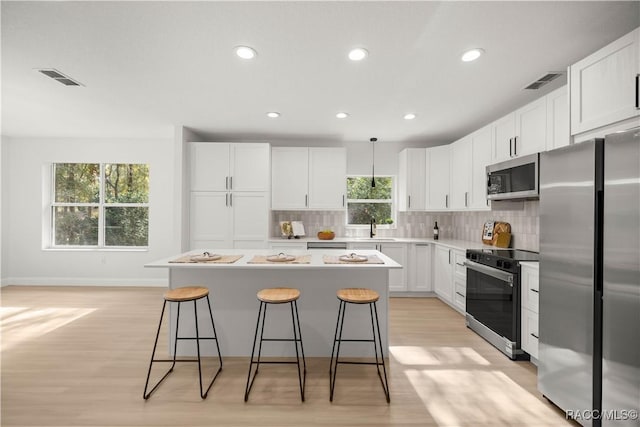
(358,54)
(273,114)
(342,115)
(245,52)
(472,54)
(409,116)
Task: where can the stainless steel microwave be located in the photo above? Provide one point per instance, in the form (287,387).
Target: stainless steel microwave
(514,179)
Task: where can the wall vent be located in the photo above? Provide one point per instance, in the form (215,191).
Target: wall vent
(550,76)
(59,77)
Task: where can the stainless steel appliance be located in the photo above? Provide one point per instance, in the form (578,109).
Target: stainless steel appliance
(493,296)
(513,179)
(589,346)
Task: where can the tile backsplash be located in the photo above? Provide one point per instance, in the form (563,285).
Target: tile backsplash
(523,217)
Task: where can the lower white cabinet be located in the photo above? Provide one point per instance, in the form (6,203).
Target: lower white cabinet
(288,245)
(529,308)
(443,273)
(419,266)
(459,281)
(395,251)
(228,220)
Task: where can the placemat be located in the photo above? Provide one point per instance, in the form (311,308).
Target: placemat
(330,259)
(262,259)
(225,259)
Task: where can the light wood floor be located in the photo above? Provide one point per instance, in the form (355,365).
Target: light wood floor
(77,356)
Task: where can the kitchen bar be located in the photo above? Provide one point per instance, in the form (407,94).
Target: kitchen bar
(233,287)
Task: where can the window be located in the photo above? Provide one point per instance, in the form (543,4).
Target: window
(100,205)
(365,202)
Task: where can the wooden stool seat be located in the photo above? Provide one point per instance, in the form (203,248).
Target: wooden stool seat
(186,293)
(278,295)
(358,295)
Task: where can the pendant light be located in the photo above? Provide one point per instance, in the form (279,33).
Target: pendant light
(373,161)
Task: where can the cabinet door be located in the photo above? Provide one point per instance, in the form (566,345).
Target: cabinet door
(250,219)
(421,266)
(443,274)
(558,118)
(603,85)
(289,178)
(412,180)
(481,158)
(531,128)
(397,277)
(327,178)
(504,132)
(364,245)
(530,288)
(439,177)
(460,173)
(209,220)
(250,165)
(209,166)
(529,332)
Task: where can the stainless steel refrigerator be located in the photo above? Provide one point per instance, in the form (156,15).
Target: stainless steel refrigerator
(589,331)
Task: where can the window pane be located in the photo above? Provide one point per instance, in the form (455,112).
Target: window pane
(360,188)
(76,225)
(126,183)
(362,213)
(126,226)
(77,182)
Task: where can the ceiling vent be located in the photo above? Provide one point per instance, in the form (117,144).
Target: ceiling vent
(550,76)
(58,76)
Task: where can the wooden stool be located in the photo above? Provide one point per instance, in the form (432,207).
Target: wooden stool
(357,296)
(180,295)
(278,296)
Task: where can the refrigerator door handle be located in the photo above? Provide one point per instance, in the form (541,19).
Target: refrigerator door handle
(489,271)
(637,91)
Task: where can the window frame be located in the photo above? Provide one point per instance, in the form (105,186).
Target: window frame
(101,205)
(392,201)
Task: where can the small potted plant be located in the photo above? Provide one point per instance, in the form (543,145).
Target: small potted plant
(326,234)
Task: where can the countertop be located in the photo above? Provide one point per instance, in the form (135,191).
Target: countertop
(248,254)
(451,243)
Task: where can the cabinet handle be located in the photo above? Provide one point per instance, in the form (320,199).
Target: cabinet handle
(230,199)
(230,183)
(510,147)
(446,201)
(306,200)
(515,146)
(466,193)
(226,199)
(343,200)
(637,91)
(535,290)
(226,182)
(460,294)
(534,335)
(449,256)
(461,265)
(409,202)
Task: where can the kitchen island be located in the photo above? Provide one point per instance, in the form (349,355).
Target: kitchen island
(233,287)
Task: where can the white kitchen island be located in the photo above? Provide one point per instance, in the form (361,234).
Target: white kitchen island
(233,289)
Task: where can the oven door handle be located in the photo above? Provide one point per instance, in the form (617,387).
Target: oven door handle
(490,271)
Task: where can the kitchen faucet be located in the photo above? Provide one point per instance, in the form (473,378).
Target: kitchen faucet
(372,230)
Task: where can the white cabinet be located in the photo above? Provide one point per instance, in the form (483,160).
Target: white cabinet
(420,267)
(481,158)
(288,245)
(459,281)
(412,181)
(438,173)
(529,308)
(308,178)
(217,166)
(228,219)
(395,251)
(604,85)
(443,273)
(521,132)
(461,160)
(558,118)
(229,195)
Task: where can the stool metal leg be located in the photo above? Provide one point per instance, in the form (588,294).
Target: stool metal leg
(215,334)
(340,322)
(253,349)
(295,343)
(385,383)
(146,395)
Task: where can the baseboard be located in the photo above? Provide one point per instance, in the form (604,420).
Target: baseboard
(82,281)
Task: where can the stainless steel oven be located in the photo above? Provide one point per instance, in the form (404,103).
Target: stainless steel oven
(493,296)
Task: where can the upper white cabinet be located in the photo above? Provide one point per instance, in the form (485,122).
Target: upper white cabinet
(558,118)
(461,160)
(308,178)
(604,85)
(219,166)
(438,177)
(481,158)
(412,181)
(522,132)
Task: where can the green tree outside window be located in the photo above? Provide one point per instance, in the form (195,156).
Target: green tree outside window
(365,202)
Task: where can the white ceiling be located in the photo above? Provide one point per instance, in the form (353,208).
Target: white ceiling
(149,66)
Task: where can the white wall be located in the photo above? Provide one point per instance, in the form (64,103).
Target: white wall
(24,259)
